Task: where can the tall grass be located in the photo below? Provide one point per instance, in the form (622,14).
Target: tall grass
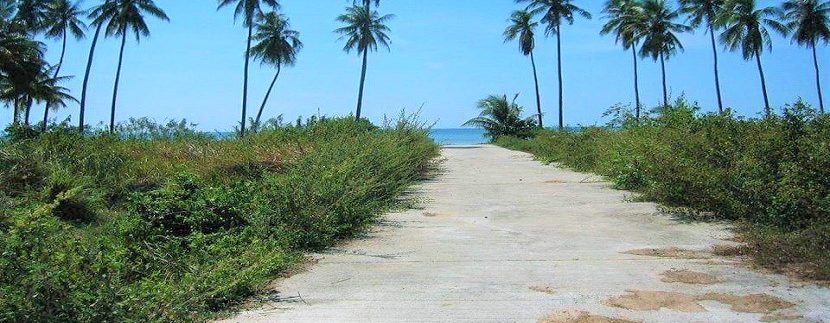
(105,228)
(772,175)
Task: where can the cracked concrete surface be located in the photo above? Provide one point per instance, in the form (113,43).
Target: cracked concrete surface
(503,238)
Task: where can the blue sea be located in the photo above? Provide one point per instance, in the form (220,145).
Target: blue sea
(459,136)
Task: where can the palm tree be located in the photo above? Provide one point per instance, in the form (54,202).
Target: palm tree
(46,89)
(364,30)
(367,3)
(62,18)
(277,45)
(249,10)
(121,17)
(659,35)
(746,29)
(706,12)
(21,58)
(624,19)
(808,19)
(522,28)
(500,117)
(98,27)
(31,14)
(554,12)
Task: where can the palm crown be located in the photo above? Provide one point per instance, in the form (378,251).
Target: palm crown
(277,43)
(659,36)
(746,27)
(248,9)
(501,117)
(808,19)
(62,17)
(522,28)
(624,19)
(121,16)
(364,29)
(702,12)
(554,12)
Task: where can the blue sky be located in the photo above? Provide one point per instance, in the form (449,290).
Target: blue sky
(445,55)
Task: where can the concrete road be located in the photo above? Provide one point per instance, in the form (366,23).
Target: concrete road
(503,238)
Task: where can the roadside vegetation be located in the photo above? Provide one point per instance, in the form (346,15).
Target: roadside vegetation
(165,224)
(770,175)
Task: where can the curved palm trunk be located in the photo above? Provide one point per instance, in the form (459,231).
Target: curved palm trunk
(767,108)
(665,88)
(86,78)
(538,96)
(559,64)
(267,95)
(57,72)
(245,85)
(117,80)
(818,79)
(636,83)
(362,83)
(717,74)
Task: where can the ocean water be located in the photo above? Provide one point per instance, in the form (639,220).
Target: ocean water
(459,136)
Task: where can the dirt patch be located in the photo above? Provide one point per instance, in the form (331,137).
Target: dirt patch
(555,181)
(730,250)
(580,317)
(655,300)
(688,277)
(430,214)
(543,289)
(671,252)
(778,317)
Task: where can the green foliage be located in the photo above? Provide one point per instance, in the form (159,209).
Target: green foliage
(500,117)
(104,228)
(772,173)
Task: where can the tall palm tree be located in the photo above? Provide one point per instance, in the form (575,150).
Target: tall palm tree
(625,17)
(277,44)
(522,27)
(554,13)
(249,10)
(746,29)
(706,12)
(98,26)
(659,35)
(808,19)
(121,17)
(31,14)
(62,18)
(500,117)
(364,29)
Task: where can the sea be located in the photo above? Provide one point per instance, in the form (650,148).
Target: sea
(459,136)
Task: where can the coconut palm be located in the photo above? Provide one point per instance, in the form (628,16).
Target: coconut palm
(522,27)
(808,19)
(122,17)
(90,57)
(249,10)
(276,45)
(20,59)
(746,28)
(706,12)
(364,30)
(31,14)
(624,19)
(62,19)
(46,89)
(659,35)
(500,117)
(554,13)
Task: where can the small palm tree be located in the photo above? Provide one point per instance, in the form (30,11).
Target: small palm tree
(522,27)
(746,29)
(659,35)
(810,22)
(363,30)
(554,13)
(500,117)
(249,10)
(62,18)
(46,89)
(121,17)
(277,45)
(625,17)
(706,12)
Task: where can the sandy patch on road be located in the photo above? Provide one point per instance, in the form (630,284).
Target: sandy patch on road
(688,277)
(580,317)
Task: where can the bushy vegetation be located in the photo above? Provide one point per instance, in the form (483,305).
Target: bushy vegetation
(772,175)
(127,228)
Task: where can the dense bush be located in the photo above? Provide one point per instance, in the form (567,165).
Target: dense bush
(174,228)
(772,173)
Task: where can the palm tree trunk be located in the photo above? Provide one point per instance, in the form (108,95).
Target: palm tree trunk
(29,103)
(559,64)
(538,97)
(16,108)
(245,81)
(86,78)
(636,83)
(117,80)
(665,88)
(267,95)
(57,72)
(362,83)
(767,108)
(818,79)
(717,74)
